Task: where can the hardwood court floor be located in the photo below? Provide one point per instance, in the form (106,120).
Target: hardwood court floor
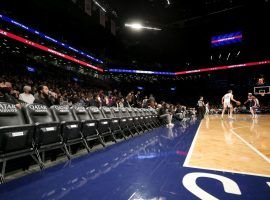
(241,145)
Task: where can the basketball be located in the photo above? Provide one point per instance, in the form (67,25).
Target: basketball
(238,103)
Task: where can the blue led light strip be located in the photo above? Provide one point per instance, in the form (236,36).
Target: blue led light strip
(140,72)
(31,30)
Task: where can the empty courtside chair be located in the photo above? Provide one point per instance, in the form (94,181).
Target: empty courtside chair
(114,122)
(125,114)
(48,134)
(16,136)
(70,127)
(146,118)
(150,118)
(154,115)
(136,121)
(141,119)
(123,121)
(103,125)
(88,124)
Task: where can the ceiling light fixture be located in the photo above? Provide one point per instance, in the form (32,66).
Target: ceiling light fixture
(99,6)
(137,26)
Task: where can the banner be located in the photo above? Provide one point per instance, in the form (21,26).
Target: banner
(102,18)
(88,7)
(113,28)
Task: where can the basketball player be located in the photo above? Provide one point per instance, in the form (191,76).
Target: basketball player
(227,103)
(253,104)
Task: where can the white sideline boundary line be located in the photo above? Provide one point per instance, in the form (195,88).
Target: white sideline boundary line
(225,170)
(192,147)
(229,171)
(251,147)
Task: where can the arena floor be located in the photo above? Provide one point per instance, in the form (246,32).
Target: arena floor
(214,159)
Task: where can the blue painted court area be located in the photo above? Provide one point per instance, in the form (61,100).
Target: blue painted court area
(145,167)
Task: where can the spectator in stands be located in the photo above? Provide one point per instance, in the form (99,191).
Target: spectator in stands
(165,115)
(5,94)
(26,96)
(130,99)
(44,96)
(137,99)
(151,104)
(145,102)
(151,97)
(95,101)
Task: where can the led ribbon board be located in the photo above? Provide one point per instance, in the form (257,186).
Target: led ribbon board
(44,48)
(46,37)
(140,72)
(249,64)
(226,39)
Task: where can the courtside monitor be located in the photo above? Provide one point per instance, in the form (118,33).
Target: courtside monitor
(226,39)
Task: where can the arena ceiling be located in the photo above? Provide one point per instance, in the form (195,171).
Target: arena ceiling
(183,43)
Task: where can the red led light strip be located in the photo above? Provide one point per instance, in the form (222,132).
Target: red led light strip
(38,46)
(41,47)
(249,64)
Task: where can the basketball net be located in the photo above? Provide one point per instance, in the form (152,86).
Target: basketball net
(262,94)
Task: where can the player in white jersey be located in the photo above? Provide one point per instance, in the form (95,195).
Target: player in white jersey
(227,103)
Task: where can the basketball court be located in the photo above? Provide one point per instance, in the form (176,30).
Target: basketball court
(241,145)
(211,159)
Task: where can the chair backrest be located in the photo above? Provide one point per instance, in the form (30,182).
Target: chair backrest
(141,111)
(107,112)
(136,111)
(15,133)
(62,113)
(131,112)
(81,113)
(95,112)
(37,113)
(124,112)
(153,111)
(10,115)
(116,112)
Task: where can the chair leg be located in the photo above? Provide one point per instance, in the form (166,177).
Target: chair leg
(122,132)
(2,175)
(66,151)
(132,135)
(41,164)
(100,139)
(86,145)
(112,134)
(137,131)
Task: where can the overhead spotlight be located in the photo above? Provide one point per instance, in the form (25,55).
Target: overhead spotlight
(168,2)
(238,53)
(228,56)
(138,26)
(98,4)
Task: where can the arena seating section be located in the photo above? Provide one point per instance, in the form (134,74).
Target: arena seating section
(36,129)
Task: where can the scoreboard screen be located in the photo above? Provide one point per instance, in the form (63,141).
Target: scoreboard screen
(226,39)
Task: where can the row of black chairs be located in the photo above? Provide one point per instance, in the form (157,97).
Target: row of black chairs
(36,128)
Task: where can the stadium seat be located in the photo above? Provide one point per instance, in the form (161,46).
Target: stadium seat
(103,125)
(88,124)
(123,120)
(16,136)
(114,122)
(70,127)
(47,135)
(125,115)
(141,119)
(136,121)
